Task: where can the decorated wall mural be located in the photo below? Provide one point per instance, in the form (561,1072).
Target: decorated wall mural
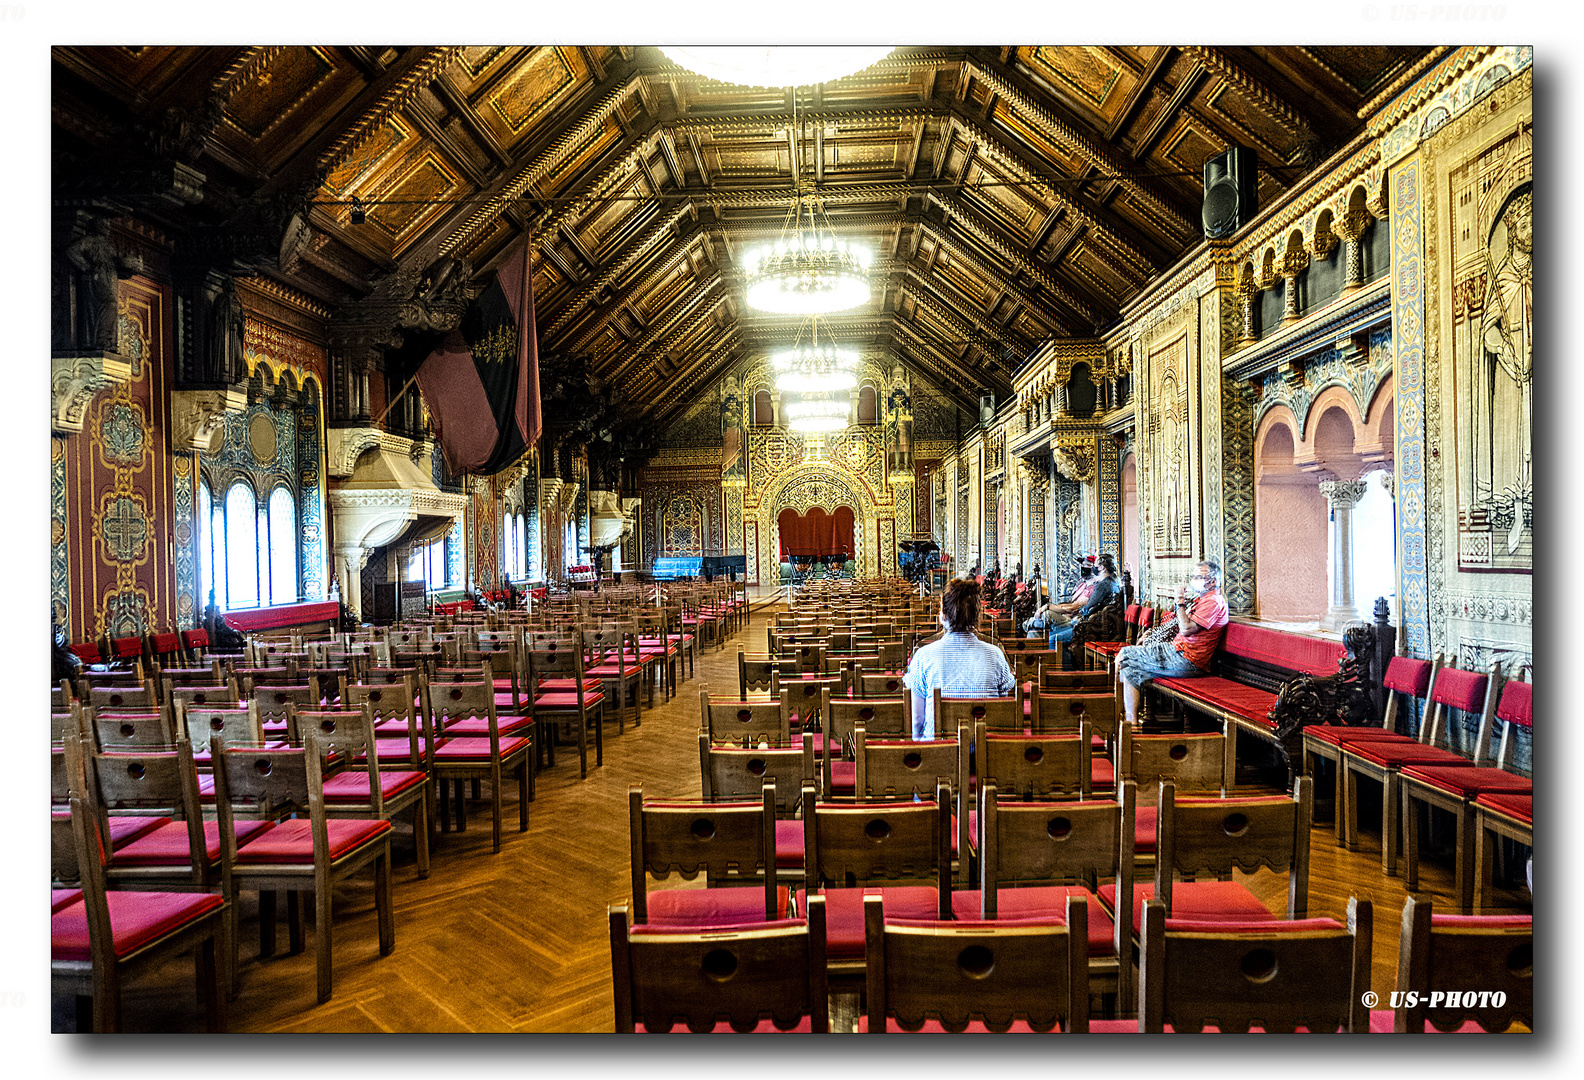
(111,489)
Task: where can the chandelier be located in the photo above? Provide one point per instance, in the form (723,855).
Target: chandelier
(775,65)
(807,274)
(815,367)
(814,414)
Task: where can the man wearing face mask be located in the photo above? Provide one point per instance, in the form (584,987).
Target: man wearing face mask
(1201,618)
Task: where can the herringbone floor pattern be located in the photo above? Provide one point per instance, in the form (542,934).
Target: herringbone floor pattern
(517,941)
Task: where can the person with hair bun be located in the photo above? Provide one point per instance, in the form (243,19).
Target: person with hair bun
(959,663)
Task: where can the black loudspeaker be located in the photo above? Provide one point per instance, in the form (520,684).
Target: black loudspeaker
(1231,191)
(382,608)
(987,406)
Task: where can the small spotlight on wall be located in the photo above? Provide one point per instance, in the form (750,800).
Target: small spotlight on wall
(357,214)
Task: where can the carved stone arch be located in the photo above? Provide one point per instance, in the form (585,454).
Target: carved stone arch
(1324,238)
(790,490)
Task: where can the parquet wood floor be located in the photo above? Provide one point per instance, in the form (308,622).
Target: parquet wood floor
(516,942)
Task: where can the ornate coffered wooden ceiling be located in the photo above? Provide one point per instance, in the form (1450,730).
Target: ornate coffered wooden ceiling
(1011,194)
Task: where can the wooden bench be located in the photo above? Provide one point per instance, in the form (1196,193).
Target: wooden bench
(1270,683)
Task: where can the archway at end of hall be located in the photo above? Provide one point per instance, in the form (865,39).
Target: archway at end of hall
(804,488)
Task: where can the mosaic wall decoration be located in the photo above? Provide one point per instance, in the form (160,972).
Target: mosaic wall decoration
(1360,376)
(1237,495)
(183,485)
(60,558)
(483,527)
(115,504)
(1171,461)
(1408,321)
(681,511)
(682,526)
(733,497)
(311,502)
(530,483)
(1110,476)
(1037,493)
(1069,514)
(991,519)
(1209,425)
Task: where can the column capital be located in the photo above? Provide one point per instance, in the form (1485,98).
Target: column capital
(1343,493)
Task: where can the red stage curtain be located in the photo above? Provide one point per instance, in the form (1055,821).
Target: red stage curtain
(816,534)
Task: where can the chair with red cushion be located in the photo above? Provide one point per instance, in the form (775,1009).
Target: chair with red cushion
(882,684)
(1053,680)
(610,647)
(890,769)
(560,692)
(1202,838)
(142,696)
(763,977)
(852,848)
(403,732)
(235,723)
(1039,767)
(1451,969)
(1496,815)
(274,702)
(746,723)
(130,728)
(651,636)
(996,713)
(188,696)
(1307,975)
(306,853)
(490,756)
(1383,760)
(732,843)
(100,939)
(1454,788)
(1023,974)
(734,773)
(754,673)
(363,789)
(1035,855)
(885,717)
(1196,764)
(196,644)
(1052,712)
(210,674)
(1324,742)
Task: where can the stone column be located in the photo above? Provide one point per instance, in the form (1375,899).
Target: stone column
(349,562)
(1342,495)
(1291,266)
(1351,229)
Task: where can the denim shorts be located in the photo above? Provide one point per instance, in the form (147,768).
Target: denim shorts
(1138,664)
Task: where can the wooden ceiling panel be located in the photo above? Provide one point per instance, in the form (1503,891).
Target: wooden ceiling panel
(1094,80)
(357,172)
(1272,139)
(1060,158)
(273,109)
(587,151)
(134,69)
(1096,271)
(529,90)
(414,198)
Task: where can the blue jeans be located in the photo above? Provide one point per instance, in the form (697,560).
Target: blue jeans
(1060,636)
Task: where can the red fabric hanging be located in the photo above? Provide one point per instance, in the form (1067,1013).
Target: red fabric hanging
(816,534)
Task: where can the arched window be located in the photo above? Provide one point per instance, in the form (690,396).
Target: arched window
(242,546)
(207,535)
(428,564)
(522,545)
(868,411)
(763,411)
(282,524)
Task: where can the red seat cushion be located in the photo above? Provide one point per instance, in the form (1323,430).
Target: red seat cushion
(475,749)
(1393,755)
(1517,703)
(1337,734)
(789,844)
(292,841)
(1144,824)
(569,683)
(505,702)
(353,787)
(478,726)
(567,700)
(1384,1022)
(933,1027)
(1509,803)
(63,898)
(125,828)
(844,777)
(1467,780)
(1295,652)
(1407,676)
(1102,773)
(1041,902)
(844,917)
(399,752)
(136,919)
(1249,702)
(712,907)
(1460,689)
(1201,901)
(168,845)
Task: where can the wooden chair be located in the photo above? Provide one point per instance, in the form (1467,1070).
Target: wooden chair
(131,728)
(836,747)
(142,696)
(1199,837)
(1035,767)
(1026,663)
(849,846)
(736,773)
(274,702)
(560,693)
(928,975)
(1325,742)
(754,673)
(1454,788)
(1451,969)
(732,842)
(99,938)
(746,723)
(1195,764)
(888,770)
(1383,761)
(617,669)
(996,713)
(179,697)
(403,732)
(763,978)
(362,789)
(1034,856)
(1497,815)
(1310,975)
(302,854)
(459,758)
(1052,680)
(869,683)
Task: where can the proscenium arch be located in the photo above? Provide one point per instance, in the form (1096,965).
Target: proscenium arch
(846,492)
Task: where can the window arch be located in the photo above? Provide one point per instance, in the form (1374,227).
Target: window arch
(281,521)
(207,533)
(763,410)
(868,408)
(242,546)
(522,545)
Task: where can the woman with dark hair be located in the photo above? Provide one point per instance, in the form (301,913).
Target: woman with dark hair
(958,663)
(1104,591)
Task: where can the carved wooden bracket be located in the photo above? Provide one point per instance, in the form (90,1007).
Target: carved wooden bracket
(75,379)
(197,416)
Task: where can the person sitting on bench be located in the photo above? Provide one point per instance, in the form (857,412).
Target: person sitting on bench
(1201,619)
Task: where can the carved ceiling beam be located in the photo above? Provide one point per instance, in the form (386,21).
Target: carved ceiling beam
(633,289)
(961,383)
(1256,92)
(990,340)
(970,222)
(1024,98)
(608,95)
(1158,66)
(396,87)
(630,154)
(703,367)
(1186,88)
(619,268)
(697,310)
(988,269)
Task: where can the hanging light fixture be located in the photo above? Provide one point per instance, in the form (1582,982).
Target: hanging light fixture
(814,366)
(817,413)
(775,65)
